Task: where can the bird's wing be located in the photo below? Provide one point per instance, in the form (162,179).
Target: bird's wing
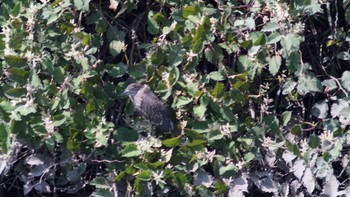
(154,109)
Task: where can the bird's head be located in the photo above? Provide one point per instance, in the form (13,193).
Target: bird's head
(132,89)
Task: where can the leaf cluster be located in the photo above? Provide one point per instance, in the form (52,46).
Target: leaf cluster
(259,90)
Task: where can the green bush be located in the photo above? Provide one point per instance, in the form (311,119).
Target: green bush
(259,88)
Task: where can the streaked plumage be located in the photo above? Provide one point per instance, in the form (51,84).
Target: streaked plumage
(150,106)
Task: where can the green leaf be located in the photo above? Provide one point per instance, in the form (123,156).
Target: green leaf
(246,141)
(101,27)
(101,139)
(308,83)
(293,61)
(268,27)
(176,54)
(58,119)
(200,36)
(249,156)
(288,87)
(25,110)
(4,138)
(245,64)
(343,55)
(338,106)
(199,111)
(116,70)
(101,182)
(272,124)
(330,84)
(193,134)
(227,171)
(250,23)
(152,25)
(16,61)
(290,43)
(274,64)
(19,127)
(274,38)
(82,5)
(215,135)
(174,76)
(116,47)
(180,180)
(246,44)
(347,14)
(314,141)
(227,113)
(35,80)
(258,38)
(172,142)
(296,129)
(286,116)
(59,74)
(214,53)
(102,193)
(131,150)
(181,101)
(320,109)
(189,10)
(216,76)
(345,80)
(16,9)
(218,90)
(53,17)
(144,175)
(195,143)
(15,93)
(6,106)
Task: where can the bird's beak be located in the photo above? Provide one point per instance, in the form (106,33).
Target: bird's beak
(125,92)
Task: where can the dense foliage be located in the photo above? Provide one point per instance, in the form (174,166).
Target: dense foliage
(259,88)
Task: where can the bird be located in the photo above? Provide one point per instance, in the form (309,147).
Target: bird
(150,106)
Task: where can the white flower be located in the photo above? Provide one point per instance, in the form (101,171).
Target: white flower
(190,55)
(189,190)
(327,135)
(158,177)
(304,146)
(228,181)
(49,124)
(240,165)
(226,130)
(267,142)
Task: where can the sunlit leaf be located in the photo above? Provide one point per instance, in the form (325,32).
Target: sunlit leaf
(82,4)
(309,84)
(172,142)
(189,10)
(144,175)
(270,27)
(274,64)
(217,76)
(181,101)
(320,109)
(286,116)
(218,90)
(273,38)
(15,93)
(345,80)
(199,111)
(131,150)
(116,47)
(200,36)
(152,25)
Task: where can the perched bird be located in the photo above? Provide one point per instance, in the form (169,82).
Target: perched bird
(150,106)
